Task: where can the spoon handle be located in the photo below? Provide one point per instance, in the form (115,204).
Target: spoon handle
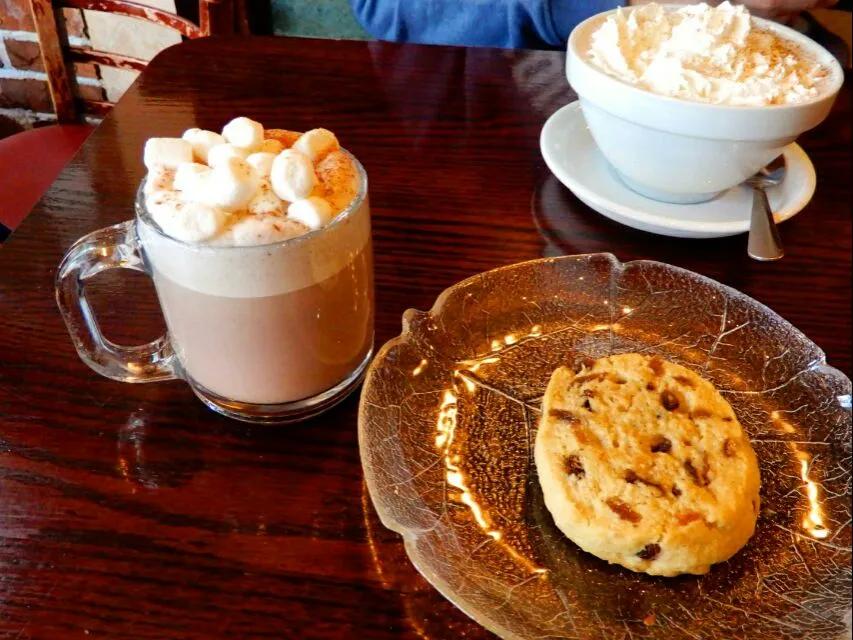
(764,242)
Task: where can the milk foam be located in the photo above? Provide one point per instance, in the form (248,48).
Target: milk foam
(258,271)
(703,53)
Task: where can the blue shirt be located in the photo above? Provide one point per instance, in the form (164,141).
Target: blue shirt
(516,24)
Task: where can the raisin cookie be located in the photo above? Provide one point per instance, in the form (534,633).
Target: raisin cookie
(644,464)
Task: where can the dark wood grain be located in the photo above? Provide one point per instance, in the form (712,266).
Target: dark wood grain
(134,512)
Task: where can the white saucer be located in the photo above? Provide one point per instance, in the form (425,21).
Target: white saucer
(572,156)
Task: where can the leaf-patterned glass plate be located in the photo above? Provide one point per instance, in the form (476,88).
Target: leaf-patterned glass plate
(448,416)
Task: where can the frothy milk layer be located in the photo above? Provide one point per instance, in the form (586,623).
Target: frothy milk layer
(257,271)
(704,53)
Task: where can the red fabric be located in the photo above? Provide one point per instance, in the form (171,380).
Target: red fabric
(30,162)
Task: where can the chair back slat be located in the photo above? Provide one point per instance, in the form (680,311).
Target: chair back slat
(98,108)
(58,78)
(136,10)
(107,58)
(215,16)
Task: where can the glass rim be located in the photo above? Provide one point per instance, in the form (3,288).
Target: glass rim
(143,215)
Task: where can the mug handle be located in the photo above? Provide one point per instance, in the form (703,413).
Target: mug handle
(110,248)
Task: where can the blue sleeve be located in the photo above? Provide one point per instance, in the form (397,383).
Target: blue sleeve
(535,24)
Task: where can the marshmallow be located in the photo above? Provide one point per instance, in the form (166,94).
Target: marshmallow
(222,152)
(292,175)
(266,202)
(160,178)
(163,205)
(166,152)
(313,212)
(271,146)
(243,132)
(189,178)
(317,143)
(262,162)
(186,221)
(240,189)
(196,222)
(230,185)
(202,141)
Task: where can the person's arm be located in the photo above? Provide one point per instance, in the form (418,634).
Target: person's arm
(494,23)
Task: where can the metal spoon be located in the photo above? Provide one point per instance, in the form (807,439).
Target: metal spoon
(764,242)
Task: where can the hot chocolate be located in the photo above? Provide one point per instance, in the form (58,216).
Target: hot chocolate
(259,245)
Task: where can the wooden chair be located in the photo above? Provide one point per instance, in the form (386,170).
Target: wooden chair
(31,160)
(215,17)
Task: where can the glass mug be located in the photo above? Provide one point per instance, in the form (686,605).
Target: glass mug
(267,333)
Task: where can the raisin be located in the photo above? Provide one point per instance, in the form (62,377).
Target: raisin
(623,510)
(574,467)
(699,477)
(686,518)
(588,377)
(585,363)
(661,445)
(729,448)
(676,491)
(650,386)
(631,477)
(687,382)
(649,483)
(649,552)
(700,413)
(656,365)
(563,415)
(689,468)
(568,418)
(669,400)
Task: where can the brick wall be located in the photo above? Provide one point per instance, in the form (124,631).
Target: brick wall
(24,94)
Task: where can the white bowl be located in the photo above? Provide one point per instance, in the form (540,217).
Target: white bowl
(682,151)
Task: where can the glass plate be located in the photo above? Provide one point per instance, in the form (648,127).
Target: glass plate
(448,416)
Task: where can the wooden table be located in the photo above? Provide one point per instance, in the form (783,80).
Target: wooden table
(134,512)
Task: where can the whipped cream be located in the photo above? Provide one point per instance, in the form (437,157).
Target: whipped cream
(705,54)
(247,186)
